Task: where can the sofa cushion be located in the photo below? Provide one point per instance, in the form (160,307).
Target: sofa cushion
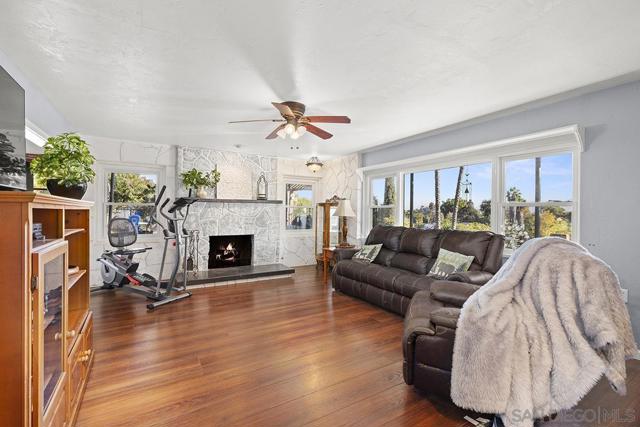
(384,257)
(388,235)
(389,279)
(474,243)
(420,242)
(412,262)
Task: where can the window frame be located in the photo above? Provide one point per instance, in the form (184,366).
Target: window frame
(109,167)
(568,139)
(300,181)
(369,206)
(574,204)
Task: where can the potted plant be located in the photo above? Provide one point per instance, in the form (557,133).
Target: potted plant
(199,180)
(66,165)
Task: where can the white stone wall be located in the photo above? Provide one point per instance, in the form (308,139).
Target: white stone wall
(239,172)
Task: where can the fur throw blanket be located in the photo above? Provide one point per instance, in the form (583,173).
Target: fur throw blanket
(541,333)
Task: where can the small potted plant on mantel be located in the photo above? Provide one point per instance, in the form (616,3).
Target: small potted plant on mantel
(200,181)
(66,165)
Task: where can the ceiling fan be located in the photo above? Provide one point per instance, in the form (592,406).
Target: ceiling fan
(295,123)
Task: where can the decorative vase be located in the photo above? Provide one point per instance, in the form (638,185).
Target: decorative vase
(71,191)
(201,193)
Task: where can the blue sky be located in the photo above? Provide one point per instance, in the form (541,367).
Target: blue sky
(556,181)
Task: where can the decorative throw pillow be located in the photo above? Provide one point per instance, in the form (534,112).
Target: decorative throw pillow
(450,262)
(368,252)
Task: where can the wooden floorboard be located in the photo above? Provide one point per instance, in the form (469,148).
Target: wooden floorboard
(285,352)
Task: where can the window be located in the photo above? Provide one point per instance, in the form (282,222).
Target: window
(131,195)
(383,201)
(299,206)
(472,183)
(537,198)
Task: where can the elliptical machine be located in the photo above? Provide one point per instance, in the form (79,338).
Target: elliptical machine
(119,270)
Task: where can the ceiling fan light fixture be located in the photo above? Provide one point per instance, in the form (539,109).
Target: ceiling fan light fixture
(281,133)
(301,130)
(295,135)
(289,128)
(314,164)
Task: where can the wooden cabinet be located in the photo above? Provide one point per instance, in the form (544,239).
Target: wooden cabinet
(46,355)
(326,227)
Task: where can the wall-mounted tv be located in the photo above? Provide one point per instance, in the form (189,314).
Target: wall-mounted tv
(13,146)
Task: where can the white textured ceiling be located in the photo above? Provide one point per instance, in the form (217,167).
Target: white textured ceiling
(175,71)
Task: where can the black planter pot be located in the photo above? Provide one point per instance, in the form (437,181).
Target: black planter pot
(70,191)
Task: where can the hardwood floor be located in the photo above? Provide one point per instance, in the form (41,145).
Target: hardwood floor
(282,352)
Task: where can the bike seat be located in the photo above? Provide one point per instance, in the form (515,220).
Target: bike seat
(131,251)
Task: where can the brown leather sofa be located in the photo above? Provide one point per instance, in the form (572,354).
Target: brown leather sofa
(397,281)
(407,255)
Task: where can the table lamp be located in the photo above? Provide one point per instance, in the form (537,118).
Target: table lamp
(344,211)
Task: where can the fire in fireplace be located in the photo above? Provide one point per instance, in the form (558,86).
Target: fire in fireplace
(230,251)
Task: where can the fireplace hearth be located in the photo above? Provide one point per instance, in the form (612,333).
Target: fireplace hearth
(230,251)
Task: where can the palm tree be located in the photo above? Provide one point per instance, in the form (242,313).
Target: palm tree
(437,205)
(456,200)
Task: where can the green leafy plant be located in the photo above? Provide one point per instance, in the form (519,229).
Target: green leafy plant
(67,159)
(194,178)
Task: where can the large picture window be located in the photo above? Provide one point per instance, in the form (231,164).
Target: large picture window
(449,198)
(522,187)
(299,206)
(131,194)
(537,198)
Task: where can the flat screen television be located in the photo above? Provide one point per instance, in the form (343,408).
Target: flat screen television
(13,146)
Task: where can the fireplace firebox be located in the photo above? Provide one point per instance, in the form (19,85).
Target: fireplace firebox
(230,251)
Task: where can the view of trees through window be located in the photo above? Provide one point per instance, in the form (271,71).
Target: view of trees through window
(131,195)
(299,208)
(383,201)
(456,198)
(538,198)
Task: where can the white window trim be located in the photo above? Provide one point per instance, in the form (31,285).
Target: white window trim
(567,139)
(101,188)
(293,179)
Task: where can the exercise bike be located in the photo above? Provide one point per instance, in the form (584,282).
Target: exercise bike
(120,271)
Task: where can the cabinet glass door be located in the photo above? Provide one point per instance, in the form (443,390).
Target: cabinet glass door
(53,332)
(50,268)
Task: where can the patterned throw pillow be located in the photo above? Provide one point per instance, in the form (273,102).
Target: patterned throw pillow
(368,253)
(450,262)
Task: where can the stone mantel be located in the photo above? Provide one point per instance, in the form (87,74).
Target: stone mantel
(273,202)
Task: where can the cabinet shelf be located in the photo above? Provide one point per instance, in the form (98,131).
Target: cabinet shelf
(71,231)
(73,278)
(39,245)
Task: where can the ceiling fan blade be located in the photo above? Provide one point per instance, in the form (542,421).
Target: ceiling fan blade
(317,131)
(327,119)
(284,109)
(262,120)
(274,134)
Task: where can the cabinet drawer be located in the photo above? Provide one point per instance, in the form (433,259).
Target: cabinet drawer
(88,337)
(76,374)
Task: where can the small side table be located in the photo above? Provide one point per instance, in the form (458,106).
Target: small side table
(328,254)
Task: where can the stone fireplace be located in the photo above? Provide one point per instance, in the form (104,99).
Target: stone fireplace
(230,250)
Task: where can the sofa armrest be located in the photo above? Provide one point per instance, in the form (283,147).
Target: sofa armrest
(344,253)
(447,317)
(473,277)
(453,293)
(417,322)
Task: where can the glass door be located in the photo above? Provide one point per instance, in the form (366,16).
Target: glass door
(49,300)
